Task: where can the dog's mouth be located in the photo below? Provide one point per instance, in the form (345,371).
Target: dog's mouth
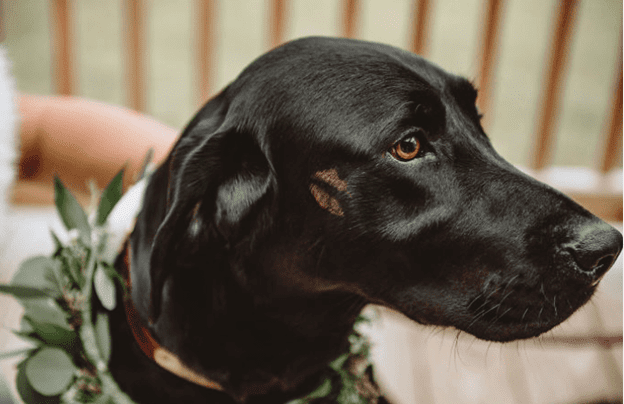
(516,310)
(502,309)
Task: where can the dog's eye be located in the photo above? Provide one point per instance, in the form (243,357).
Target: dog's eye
(407,148)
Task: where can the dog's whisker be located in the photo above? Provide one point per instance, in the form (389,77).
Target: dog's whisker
(483,305)
(542,291)
(456,349)
(475,300)
(524,315)
(509,282)
(478,317)
(539,316)
(555,306)
(502,315)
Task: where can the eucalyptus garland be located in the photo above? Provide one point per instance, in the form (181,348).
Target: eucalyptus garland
(69,350)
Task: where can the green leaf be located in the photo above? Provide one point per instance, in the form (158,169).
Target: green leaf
(103,338)
(45,311)
(146,163)
(111,271)
(337,363)
(104,399)
(104,288)
(71,266)
(23,292)
(70,211)
(322,391)
(50,371)
(37,272)
(110,197)
(53,334)
(26,391)
(58,244)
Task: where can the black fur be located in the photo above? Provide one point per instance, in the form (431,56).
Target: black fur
(256,284)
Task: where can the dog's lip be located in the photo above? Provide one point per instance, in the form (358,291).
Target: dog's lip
(511,332)
(527,316)
(513,327)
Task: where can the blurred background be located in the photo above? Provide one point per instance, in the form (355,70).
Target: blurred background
(241,30)
(550,80)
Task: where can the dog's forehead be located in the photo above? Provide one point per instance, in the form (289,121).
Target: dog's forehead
(341,67)
(342,88)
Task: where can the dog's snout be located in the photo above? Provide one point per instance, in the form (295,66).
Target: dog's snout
(596,248)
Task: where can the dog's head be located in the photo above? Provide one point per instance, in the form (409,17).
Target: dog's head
(340,165)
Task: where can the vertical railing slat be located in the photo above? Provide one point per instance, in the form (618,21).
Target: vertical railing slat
(2,29)
(613,133)
(487,57)
(62,41)
(552,90)
(350,18)
(205,46)
(420,26)
(276,22)
(136,51)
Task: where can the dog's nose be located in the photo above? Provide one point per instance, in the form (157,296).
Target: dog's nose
(596,248)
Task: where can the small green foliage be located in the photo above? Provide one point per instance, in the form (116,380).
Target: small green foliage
(87,388)
(102,333)
(50,370)
(323,390)
(23,292)
(52,334)
(354,386)
(39,273)
(56,293)
(105,288)
(70,350)
(70,211)
(110,197)
(145,167)
(26,391)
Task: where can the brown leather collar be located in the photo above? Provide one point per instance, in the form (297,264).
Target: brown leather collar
(148,344)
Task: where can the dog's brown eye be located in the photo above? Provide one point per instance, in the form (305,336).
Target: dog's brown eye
(406,149)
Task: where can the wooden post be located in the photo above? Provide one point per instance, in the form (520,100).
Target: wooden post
(205,47)
(135,23)
(2,28)
(420,27)
(350,18)
(62,50)
(613,133)
(276,22)
(487,57)
(552,90)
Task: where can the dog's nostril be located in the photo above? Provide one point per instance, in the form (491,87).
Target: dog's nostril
(596,248)
(604,264)
(598,268)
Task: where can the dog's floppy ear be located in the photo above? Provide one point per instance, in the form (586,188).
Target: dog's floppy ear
(218,190)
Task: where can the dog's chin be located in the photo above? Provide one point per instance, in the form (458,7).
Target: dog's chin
(501,330)
(523,318)
(513,331)
(502,317)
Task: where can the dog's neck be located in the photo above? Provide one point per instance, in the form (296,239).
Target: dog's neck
(249,344)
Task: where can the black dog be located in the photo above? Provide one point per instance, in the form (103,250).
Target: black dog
(331,174)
